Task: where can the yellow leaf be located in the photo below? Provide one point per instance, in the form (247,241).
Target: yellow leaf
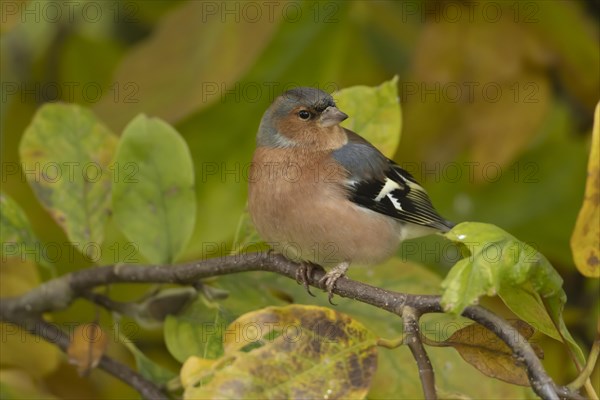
(87,347)
(287,352)
(17,276)
(193,369)
(585,241)
(30,353)
(20,384)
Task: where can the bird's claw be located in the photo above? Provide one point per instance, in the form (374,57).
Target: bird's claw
(328,281)
(303,273)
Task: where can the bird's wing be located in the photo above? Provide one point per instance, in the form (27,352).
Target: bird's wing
(377,183)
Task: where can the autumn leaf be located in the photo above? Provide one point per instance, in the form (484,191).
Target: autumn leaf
(481,348)
(585,241)
(69,152)
(87,347)
(287,352)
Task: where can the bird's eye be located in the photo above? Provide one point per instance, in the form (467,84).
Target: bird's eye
(303,114)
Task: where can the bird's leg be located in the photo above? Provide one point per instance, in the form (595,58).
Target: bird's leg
(303,272)
(332,276)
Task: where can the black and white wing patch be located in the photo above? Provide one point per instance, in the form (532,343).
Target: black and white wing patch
(399,196)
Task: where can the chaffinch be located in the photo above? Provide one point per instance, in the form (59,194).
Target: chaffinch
(319,193)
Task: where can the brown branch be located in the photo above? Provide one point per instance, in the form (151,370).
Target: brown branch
(59,293)
(541,383)
(410,316)
(55,335)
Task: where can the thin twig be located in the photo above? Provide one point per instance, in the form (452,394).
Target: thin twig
(55,335)
(412,334)
(585,373)
(106,302)
(59,293)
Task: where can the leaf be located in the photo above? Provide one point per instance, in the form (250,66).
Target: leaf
(292,352)
(194,368)
(529,305)
(148,368)
(481,348)
(16,235)
(153,196)
(498,263)
(198,331)
(585,241)
(17,276)
(152,312)
(246,235)
(66,154)
(23,350)
(374,113)
(18,384)
(87,347)
(203,69)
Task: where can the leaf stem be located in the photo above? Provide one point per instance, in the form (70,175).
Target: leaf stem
(583,379)
(391,343)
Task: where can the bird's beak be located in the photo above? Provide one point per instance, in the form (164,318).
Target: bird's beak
(331,116)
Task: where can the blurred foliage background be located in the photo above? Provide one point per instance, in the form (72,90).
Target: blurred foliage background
(497,102)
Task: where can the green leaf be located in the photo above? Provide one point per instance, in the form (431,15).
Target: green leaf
(498,263)
(15,231)
(374,113)
(148,368)
(17,237)
(198,331)
(246,235)
(153,197)
(291,352)
(528,304)
(66,153)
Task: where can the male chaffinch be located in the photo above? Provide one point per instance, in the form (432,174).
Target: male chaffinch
(327,196)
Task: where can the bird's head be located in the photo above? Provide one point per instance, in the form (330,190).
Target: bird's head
(302,117)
